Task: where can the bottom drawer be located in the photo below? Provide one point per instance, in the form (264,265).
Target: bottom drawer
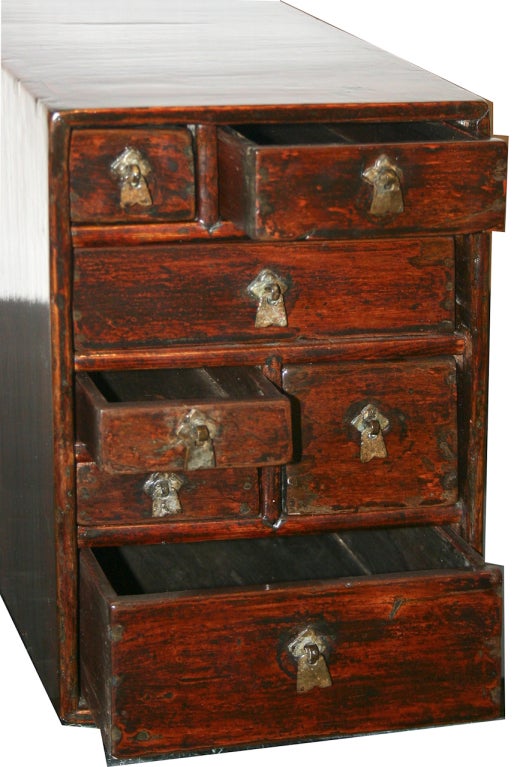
(200,646)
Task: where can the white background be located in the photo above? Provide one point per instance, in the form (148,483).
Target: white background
(483,47)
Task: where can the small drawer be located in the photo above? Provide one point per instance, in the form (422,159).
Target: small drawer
(372,436)
(132,175)
(188,419)
(299,181)
(199,647)
(254,291)
(165,496)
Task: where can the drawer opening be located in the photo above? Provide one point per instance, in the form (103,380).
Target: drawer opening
(349,133)
(182,419)
(182,384)
(161,568)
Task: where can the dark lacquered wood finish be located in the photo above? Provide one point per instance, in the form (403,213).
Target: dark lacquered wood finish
(348,427)
(195,670)
(417,401)
(273,186)
(329,289)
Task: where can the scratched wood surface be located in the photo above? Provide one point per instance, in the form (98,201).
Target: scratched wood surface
(197,671)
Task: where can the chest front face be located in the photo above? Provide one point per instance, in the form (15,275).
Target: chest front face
(269,325)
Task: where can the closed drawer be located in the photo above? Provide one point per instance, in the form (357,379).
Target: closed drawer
(166,420)
(124,176)
(256,291)
(302,181)
(165,496)
(197,647)
(372,436)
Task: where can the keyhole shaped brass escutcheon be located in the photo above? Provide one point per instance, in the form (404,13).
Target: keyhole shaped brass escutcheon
(131,171)
(163,488)
(196,431)
(385,177)
(371,424)
(308,649)
(269,289)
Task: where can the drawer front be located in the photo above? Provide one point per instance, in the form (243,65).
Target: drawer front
(123,176)
(109,499)
(372,436)
(139,421)
(346,189)
(181,673)
(252,292)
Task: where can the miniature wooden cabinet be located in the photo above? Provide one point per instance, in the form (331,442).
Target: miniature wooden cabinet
(244,422)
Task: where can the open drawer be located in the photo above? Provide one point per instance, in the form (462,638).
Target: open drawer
(201,646)
(201,418)
(300,181)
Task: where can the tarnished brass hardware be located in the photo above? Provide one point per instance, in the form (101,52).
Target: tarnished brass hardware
(385,177)
(197,431)
(371,424)
(163,488)
(308,649)
(269,289)
(131,170)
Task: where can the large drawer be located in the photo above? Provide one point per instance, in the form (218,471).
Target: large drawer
(252,291)
(300,181)
(166,420)
(372,436)
(199,647)
(132,175)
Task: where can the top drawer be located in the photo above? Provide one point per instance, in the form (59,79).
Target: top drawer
(299,181)
(134,175)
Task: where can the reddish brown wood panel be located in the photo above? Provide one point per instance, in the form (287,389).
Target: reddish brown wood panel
(419,401)
(307,191)
(130,436)
(95,195)
(213,671)
(196,293)
(106,499)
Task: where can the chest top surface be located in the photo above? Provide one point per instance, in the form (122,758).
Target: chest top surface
(170,53)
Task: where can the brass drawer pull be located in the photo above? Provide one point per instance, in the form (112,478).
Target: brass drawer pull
(371,424)
(308,649)
(385,177)
(196,432)
(269,289)
(131,170)
(163,488)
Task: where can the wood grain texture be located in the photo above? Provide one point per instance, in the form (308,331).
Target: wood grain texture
(195,295)
(403,650)
(318,190)
(95,193)
(222,494)
(327,474)
(247,425)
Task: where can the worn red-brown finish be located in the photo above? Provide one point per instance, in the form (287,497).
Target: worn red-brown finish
(306,190)
(224,494)
(249,428)
(197,294)
(390,309)
(403,650)
(95,194)
(418,399)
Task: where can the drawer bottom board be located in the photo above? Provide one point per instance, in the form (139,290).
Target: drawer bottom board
(183,658)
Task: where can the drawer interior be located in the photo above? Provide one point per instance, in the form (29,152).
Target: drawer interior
(349,133)
(182,384)
(161,420)
(242,563)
